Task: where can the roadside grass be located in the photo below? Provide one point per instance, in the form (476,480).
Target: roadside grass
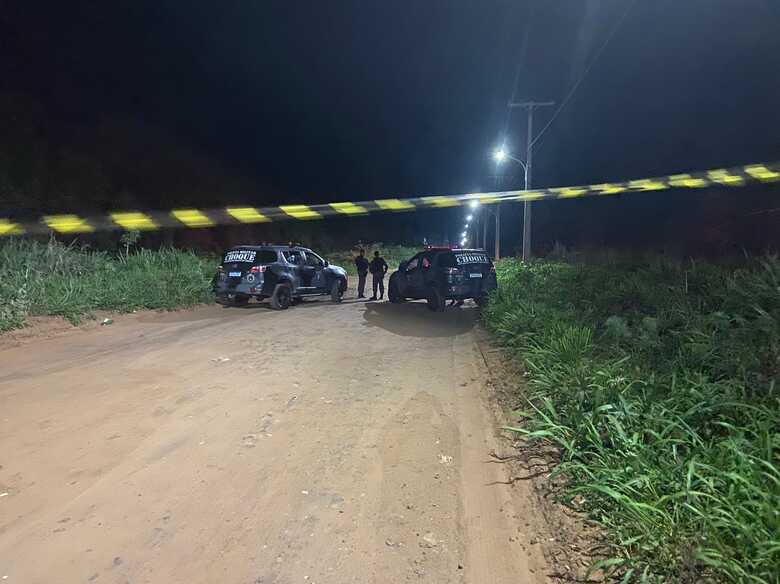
(658,384)
(53,279)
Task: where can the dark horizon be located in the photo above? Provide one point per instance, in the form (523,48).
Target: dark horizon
(306,102)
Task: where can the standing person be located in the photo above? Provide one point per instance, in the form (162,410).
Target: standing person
(378,268)
(361,263)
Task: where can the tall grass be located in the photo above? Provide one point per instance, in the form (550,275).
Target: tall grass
(54,279)
(658,383)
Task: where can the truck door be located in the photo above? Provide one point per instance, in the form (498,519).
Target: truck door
(295,259)
(413,278)
(314,268)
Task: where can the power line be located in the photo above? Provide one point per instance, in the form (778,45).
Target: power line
(582,77)
(520,64)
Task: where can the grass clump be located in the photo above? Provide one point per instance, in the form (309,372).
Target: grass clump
(658,383)
(53,279)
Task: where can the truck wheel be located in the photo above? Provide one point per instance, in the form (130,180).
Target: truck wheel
(281,298)
(337,290)
(435,300)
(392,293)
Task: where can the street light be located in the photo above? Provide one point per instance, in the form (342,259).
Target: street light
(469,217)
(500,155)
(474,204)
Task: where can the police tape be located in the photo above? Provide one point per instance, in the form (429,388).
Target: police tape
(194,218)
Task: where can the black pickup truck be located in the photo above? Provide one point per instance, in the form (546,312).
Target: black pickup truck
(281,273)
(439,274)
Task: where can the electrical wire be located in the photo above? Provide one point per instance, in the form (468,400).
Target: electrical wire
(520,64)
(582,77)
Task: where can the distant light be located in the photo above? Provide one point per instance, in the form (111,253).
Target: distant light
(463,234)
(469,217)
(474,204)
(499,155)
(467,226)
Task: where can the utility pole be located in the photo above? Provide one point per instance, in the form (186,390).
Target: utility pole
(498,231)
(484,229)
(529,150)
(496,214)
(497,252)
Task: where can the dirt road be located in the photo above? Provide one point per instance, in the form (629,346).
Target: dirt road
(325,444)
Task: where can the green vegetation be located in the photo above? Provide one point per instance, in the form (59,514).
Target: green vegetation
(54,279)
(659,386)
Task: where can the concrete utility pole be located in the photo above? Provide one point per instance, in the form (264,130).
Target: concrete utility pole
(484,229)
(498,231)
(497,212)
(529,149)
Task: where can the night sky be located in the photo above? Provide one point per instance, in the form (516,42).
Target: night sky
(322,101)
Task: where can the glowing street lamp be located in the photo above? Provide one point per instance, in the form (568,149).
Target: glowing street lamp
(474,204)
(501,155)
(469,217)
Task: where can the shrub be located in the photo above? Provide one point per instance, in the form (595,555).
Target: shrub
(55,279)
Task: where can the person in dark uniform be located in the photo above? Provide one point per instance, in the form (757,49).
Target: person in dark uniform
(361,263)
(378,268)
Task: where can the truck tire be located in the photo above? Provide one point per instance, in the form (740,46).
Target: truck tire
(337,290)
(393,295)
(435,300)
(282,297)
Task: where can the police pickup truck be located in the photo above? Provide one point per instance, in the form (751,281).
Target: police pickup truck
(283,274)
(441,274)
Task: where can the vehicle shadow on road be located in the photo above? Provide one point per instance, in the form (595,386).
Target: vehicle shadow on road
(310,302)
(413,319)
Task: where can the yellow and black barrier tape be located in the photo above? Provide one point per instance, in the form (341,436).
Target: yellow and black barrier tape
(201,218)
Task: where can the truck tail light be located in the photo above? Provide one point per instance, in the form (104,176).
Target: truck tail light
(257,269)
